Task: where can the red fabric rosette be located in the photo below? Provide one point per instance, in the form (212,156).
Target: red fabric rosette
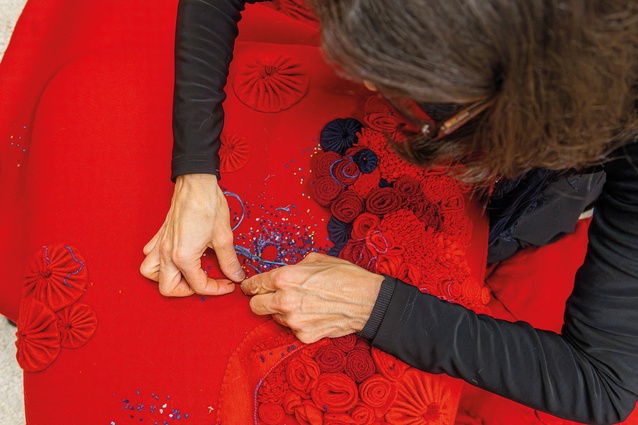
(345,343)
(57,276)
(309,414)
(454,203)
(408,187)
(330,359)
(338,419)
(233,152)
(77,324)
(362,414)
(357,252)
(297,9)
(325,190)
(335,392)
(301,373)
(291,402)
(38,340)
(324,163)
(383,200)
(270,413)
(378,105)
(347,206)
(422,399)
(388,365)
(378,393)
(271,84)
(359,365)
(364,224)
(409,273)
(346,171)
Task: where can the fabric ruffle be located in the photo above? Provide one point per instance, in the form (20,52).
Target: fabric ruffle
(233,152)
(77,325)
(57,276)
(38,341)
(271,84)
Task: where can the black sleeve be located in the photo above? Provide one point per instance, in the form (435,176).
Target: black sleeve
(204,40)
(588,373)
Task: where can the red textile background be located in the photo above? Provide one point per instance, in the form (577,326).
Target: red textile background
(85,103)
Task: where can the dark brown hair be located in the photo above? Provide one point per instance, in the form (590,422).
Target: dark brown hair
(562,74)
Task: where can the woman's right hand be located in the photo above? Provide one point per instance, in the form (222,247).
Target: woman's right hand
(197,219)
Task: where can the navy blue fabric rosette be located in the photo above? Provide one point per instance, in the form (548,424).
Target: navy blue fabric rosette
(366,160)
(339,135)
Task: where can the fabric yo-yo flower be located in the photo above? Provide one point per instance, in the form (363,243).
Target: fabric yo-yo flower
(366,160)
(38,340)
(271,413)
(330,359)
(347,206)
(335,392)
(77,324)
(233,152)
(325,190)
(422,398)
(301,374)
(338,231)
(271,84)
(359,365)
(357,252)
(383,200)
(56,276)
(339,135)
(408,187)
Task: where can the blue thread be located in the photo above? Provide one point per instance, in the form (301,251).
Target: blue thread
(243,209)
(75,272)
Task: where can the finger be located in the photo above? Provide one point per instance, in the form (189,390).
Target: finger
(190,266)
(259,284)
(171,282)
(151,265)
(227,258)
(263,304)
(151,244)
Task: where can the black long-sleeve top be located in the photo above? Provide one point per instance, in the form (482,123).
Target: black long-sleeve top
(588,373)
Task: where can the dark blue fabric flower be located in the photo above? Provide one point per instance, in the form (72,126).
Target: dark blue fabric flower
(385,183)
(339,135)
(336,250)
(338,231)
(366,160)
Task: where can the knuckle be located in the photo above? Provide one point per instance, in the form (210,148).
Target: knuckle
(167,292)
(223,239)
(287,303)
(313,256)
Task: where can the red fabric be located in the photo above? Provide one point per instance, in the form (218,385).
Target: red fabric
(87,88)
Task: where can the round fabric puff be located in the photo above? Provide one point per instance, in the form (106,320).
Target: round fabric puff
(38,337)
(271,84)
(421,398)
(339,135)
(56,276)
(77,325)
(338,231)
(233,152)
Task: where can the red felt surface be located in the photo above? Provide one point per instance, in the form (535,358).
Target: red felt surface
(86,91)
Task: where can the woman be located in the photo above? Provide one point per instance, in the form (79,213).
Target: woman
(544,88)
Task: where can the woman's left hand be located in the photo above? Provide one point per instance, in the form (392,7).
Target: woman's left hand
(319,297)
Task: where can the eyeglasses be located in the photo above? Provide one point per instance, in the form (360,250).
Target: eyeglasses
(423,125)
